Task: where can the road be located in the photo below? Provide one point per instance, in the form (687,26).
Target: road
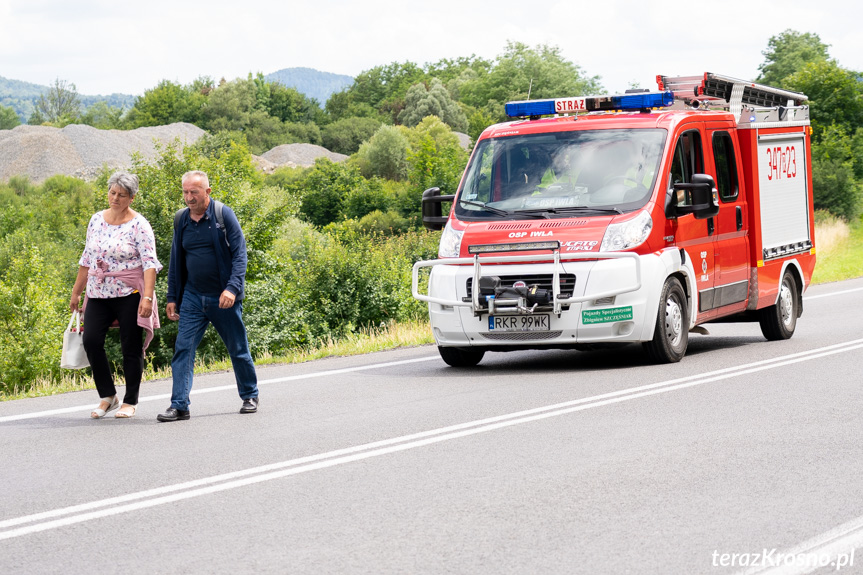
(533,462)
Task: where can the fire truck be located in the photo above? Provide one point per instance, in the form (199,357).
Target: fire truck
(630,218)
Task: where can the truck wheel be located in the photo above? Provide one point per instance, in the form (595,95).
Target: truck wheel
(460,357)
(671,335)
(779,320)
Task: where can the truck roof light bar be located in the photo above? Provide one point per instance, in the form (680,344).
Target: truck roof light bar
(640,101)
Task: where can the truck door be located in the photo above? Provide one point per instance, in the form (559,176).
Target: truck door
(693,235)
(731,251)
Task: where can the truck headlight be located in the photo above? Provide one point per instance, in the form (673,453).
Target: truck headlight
(628,234)
(450,242)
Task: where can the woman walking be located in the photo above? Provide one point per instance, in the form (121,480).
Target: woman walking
(118,269)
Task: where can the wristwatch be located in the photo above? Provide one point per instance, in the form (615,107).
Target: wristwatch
(148,298)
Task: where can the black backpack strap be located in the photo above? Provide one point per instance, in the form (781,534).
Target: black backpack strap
(220,219)
(178,215)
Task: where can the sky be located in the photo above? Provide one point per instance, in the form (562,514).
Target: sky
(110,46)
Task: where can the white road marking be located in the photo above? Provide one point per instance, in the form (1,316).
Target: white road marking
(831,294)
(171,493)
(232,387)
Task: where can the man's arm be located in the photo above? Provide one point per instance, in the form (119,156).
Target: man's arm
(239,259)
(174,287)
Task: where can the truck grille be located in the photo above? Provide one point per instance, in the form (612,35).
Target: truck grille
(522,336)
(544,281)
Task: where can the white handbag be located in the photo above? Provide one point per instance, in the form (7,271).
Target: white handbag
(74,356)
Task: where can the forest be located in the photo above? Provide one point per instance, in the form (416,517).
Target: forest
(330,247)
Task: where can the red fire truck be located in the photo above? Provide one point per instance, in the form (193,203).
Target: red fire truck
(626,218)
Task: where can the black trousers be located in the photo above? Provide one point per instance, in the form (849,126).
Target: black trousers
(98,317)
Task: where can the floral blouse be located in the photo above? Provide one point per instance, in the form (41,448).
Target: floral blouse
(117,248)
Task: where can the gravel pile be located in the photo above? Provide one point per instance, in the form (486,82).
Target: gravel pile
(77,150)
(300,155)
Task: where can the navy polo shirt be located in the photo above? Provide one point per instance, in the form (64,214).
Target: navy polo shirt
(201,263)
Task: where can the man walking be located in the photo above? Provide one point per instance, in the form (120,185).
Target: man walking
(200,293)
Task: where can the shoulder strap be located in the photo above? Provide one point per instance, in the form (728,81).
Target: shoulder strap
(220,219)
(177,215)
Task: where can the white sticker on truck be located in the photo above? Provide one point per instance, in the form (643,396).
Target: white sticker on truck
(783,190)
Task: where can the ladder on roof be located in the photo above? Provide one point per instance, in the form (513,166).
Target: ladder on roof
(731,90)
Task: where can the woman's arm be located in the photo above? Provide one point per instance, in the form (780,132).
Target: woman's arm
(145,308)
(79,287)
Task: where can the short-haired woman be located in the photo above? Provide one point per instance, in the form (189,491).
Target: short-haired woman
(118,269)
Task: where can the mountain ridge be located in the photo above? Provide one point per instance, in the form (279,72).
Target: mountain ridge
(22,96)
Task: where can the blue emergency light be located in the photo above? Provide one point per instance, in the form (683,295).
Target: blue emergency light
(640,101)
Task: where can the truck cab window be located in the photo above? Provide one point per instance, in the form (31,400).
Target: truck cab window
(559,174)
(687,160)
(726,166)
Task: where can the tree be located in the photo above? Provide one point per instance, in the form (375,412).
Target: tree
(836,188)
(385,154)
(835,95)
(289,105)
(168,103)
(435,158)
(520,71)
(383,88)
(101,115)
(787,53)
(346,135)
(8,118)
(60,104)
(325,187)
(421,102)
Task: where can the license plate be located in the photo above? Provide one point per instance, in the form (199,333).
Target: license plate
(540,322)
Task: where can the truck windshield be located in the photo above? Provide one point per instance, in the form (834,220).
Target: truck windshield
(561,174)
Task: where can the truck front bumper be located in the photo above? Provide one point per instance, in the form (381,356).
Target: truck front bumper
(614,299)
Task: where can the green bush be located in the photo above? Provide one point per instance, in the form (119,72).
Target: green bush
(356,281)
(385,154)
(32,318)
(346,135)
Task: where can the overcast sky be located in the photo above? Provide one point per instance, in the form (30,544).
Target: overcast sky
(106,46)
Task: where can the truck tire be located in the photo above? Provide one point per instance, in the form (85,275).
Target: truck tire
(779,320)
(671,335)
(460,357)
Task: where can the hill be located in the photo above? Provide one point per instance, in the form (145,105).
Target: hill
(22,97)
(312,83)
(40,152)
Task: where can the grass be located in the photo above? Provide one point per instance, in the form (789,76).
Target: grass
(840,256)
(839,251)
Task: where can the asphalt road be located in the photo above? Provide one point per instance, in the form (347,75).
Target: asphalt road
(743,455)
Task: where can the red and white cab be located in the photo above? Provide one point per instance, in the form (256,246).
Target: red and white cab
(625,218)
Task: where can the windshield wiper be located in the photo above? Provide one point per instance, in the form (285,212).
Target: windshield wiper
(486,207)
(568,210)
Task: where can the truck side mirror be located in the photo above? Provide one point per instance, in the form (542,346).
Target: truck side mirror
(699,197)
(433,218)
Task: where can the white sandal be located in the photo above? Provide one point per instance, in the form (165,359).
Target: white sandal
(113,403)
(126,411)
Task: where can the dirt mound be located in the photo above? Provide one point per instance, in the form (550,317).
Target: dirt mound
(300,155)
(77,150)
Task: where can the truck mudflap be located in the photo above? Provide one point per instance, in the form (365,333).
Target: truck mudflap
(511,305)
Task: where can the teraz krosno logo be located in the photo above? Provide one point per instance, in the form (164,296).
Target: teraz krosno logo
(774,558)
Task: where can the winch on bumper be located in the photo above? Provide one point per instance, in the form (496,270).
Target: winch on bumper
(547,300)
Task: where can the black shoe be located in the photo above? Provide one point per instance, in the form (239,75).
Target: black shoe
(249,405)
(173,415)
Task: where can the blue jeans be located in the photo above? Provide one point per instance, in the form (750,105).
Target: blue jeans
(196,311)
